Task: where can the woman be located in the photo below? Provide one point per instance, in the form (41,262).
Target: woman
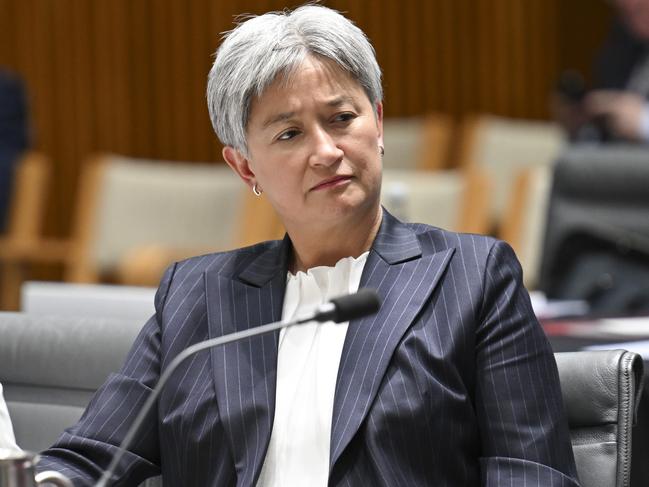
(451,383)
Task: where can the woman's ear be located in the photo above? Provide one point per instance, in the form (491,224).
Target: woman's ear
(240,165)
(379,122)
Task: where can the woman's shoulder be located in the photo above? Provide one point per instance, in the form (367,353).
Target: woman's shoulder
(437,239)
(187,277)
(223,261)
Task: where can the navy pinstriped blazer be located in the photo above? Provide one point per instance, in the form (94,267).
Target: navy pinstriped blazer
(452,383)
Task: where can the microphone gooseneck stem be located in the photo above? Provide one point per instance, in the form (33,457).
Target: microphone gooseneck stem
(173,365)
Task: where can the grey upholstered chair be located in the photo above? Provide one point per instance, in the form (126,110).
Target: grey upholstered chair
(50,367)
(601,391)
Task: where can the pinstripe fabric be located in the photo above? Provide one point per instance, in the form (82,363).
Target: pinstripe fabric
(452,383)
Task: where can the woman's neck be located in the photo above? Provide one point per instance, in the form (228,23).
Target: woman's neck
(327,245)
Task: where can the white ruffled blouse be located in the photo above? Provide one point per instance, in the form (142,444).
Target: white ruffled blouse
(307,367)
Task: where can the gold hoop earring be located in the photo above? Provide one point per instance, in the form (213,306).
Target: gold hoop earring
(255,190)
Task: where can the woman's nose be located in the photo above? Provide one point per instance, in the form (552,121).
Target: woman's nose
(325,151)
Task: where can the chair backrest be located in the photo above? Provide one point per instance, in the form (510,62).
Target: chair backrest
(596,245)
(502,147)
(101,301)
(417,143)
(27,204)
(524,221)
(50,367)
(28,198)
(451,199)
(601,392)
(125,204)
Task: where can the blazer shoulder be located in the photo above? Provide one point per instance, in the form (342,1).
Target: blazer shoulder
(474,255)
(185,278)
(435,239)
(229,262)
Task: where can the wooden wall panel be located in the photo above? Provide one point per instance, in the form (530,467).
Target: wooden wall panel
(129,75)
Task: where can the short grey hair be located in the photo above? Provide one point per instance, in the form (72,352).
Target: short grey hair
(259,49)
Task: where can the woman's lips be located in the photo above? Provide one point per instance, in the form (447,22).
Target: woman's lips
(332,182)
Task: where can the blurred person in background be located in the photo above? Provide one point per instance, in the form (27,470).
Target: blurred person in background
(617,108)
(14,138)
(453,382)
(7,439)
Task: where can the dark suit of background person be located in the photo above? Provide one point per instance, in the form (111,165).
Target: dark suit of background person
(621,65)
(437,389)
(13,135)
(616,60)
(616,109)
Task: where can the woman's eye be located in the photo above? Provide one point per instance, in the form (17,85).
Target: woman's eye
(344,117)
(288,135)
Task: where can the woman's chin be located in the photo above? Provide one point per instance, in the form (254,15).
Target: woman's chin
(343,210)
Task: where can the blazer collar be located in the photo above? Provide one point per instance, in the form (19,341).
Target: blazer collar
(404,277)
(268,264)
(245,372)
(394,242)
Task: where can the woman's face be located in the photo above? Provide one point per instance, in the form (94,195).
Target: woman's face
(313,143)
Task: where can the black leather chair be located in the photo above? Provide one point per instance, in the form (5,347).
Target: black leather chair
(597,233)
(601,392)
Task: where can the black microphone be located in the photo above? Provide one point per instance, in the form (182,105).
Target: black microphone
(348,307)
(344,308)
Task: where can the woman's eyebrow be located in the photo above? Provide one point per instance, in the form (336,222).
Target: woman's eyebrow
(280,117)
(341,100)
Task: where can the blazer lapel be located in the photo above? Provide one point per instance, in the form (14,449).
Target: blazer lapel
(245,371)
(404,280)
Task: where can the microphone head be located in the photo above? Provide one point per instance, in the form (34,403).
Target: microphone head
(351,306)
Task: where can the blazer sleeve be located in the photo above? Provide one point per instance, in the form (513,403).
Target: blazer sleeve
(84,451)
(523,427)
